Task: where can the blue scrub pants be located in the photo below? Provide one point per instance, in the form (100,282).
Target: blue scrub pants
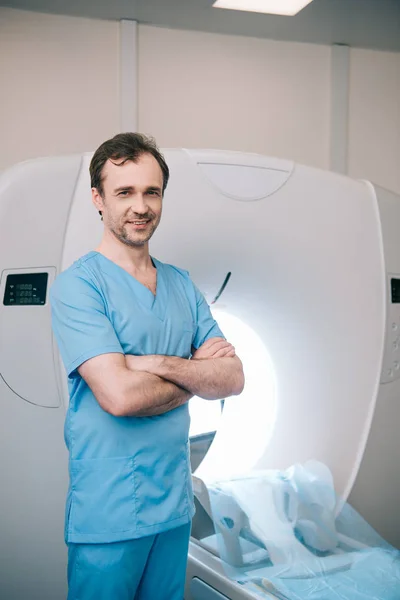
(149,568)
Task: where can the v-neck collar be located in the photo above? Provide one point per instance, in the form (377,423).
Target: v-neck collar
(156,303)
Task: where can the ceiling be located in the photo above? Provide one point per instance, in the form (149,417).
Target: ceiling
(371,24)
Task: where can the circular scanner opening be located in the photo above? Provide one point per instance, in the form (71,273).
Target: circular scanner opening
(229,437)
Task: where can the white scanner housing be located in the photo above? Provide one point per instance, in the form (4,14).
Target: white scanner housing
(315,264)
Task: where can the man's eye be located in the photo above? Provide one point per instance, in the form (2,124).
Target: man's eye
(153,193)
(124,193)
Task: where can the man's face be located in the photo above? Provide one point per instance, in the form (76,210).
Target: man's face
(132,199)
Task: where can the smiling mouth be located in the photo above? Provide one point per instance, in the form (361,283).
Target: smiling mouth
(137,223)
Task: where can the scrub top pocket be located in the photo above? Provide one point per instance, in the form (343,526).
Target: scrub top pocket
(162,486)
(186,335)
(102,496)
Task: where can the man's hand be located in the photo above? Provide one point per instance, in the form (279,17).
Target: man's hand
(214,348)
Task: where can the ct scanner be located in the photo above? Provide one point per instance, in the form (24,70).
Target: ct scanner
(314,259)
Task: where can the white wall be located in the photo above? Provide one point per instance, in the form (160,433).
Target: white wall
(60,85)
(374,117)
(237,93)
(59,80)
(212,90)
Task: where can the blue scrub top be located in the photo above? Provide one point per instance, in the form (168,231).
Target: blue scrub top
(129,476)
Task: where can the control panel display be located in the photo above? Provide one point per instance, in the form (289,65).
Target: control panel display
(395,284)
(25,289)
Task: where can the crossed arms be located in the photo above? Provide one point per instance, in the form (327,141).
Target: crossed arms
(127,385)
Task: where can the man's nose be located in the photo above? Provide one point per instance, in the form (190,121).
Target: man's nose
(139,205)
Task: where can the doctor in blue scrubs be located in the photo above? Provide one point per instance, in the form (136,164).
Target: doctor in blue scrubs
(138,341)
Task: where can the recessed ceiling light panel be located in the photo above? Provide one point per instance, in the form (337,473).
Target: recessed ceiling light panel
(273,7)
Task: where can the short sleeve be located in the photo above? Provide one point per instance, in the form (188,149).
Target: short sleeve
(80,324)
(206,325)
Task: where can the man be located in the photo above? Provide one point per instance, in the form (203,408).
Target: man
(138,341)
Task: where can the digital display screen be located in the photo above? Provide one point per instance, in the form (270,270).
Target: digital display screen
(395,291)
(26,289)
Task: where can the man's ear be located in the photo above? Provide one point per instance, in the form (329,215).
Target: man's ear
(98,201)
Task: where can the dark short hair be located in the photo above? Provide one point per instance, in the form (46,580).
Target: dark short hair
(125,146)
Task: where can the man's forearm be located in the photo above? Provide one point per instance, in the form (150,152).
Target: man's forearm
(211,379)
(153,396)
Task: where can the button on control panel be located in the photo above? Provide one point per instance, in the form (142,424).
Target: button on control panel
(391,363)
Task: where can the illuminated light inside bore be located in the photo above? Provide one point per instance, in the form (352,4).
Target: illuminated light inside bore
(205,416)
(245,426)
